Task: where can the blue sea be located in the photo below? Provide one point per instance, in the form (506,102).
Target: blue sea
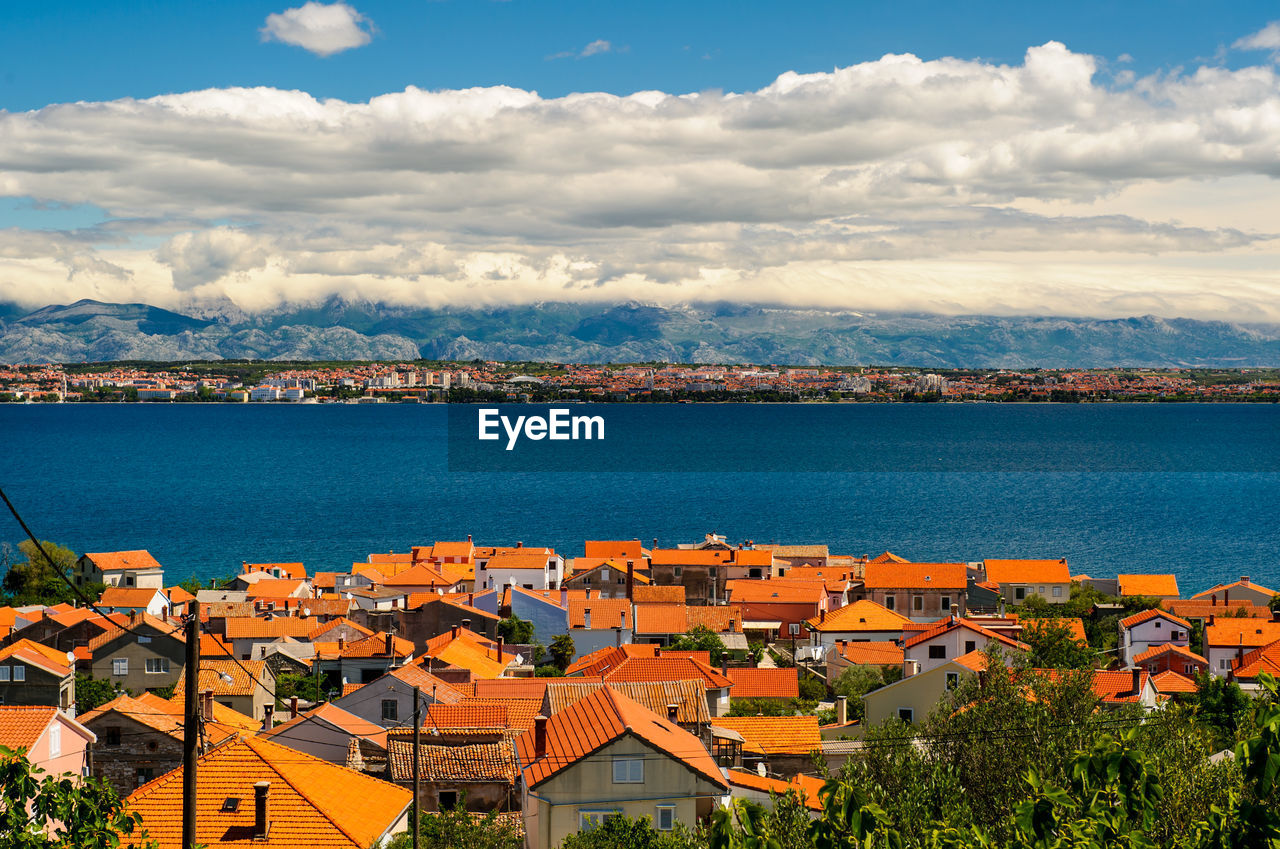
(1192,489)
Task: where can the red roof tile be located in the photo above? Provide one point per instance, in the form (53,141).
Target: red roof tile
(931,576)
(22,725)
(765,683)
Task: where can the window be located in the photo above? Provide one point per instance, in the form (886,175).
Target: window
(937,652)
(144,774)
(970,645)
(1019,593)
(1188,668)
(144,640)
(19,673)
(1057,592)
(587,580)
(390,710)
(946,604)
(157,665)
(953,680)
(666,818)
(891,602)
(677,571)
(231,804)
(113,736)
(4,673)
(628,770)
(917,602)
(906,714)
(119,666)
(1040,590)
(590,820)
(128,582)
(55,740)
(1159,623)
(1224,662)
(447,800)
(622,581)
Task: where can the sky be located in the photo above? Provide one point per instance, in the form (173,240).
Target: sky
(1107,159)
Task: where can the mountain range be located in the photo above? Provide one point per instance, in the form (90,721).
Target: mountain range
(342,329)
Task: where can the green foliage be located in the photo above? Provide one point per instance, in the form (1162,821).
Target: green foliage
(628,833)
(700,638)
(1054,646)
(92,692)
(86,814)
(562,651)
(516,630)
(762,707)
(456,827)
(1221,706)
(306,687)
(1274,604)
(856,681)
(812,689)
(548,671)
(33,579)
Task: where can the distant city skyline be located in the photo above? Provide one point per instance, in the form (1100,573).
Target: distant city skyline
(1105,161)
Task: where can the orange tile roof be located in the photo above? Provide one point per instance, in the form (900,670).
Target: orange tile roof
(804,786)
(1157,585)
(928,576)
(376,646)
(337,717)
(127,596)
(605,612)
(45,655)
(690,557)
(888,557)
(342,622)
(416,676)
(1169,648)
(661,618)
(594,663)
(520,711)
(1219,588)
(452,549)
(1028,571)
(1154,613)
(975,660)
(765,683)
(862,615)
(1203,608)
(658,595)
(511,688)
(721,618)
(624,550)
(112,560)
(1264,659)
(465,714)
(245,675)
(325,580)
(253,628)
(596,720)
(1116,685)
(776,735)
(421,575)
(310,800)
(535,559)
(689,697)
(178,595)
(486,762)
(871,653)
(273,588)
(468,650)
(22,725)
(1173,682)
(751,591)
(292,570)
(947,625)
(666,669)
(1074,624)
(753,557)
(165,718)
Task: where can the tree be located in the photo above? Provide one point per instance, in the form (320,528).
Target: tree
(88,813)
(562,651)
(1054,646)
(1274,604)
(34,579)
(628,833)
(457,827)
(856,681)
(1221,705)
(700,638)
(92,693)
(515,630)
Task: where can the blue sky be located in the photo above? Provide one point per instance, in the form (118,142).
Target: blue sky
(105,49)
(1101,159)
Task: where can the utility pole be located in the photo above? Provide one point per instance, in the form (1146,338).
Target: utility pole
(417,745)
(191,728)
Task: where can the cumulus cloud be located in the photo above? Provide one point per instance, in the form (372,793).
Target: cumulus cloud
(952,185)
(1267,38)
(322,29)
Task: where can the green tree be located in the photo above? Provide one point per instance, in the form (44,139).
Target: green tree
(562,651)
(88,814)
(92,693)
(700,638)
(628,833)
(456,827)
(515,630)
(1221,705)
(856,681)
(1274,604)
(305,687)
(34,579)
(1054,646)
(761,707)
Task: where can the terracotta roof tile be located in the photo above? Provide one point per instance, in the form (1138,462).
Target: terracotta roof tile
(1074,624)
(287,570)
(127,596)
(661,618)
(765,683)
(416,676)
(244,676)
(605,612)
(1203,608)
(658,595)
(1150,585)
(931,576)
(1218,589)
(776,735)
(1154,613)
(947,625)
(511,688)
(22,725)
(1263,659)
(375,645)
(780,591)
(862,615)
(689,697)
(253,628)
(888,557)
(520,711)
(1169,648)
(871,653)
(1173,682)
(594,663)
(1027,571)
(806,787)
(112,560)
(666,669)
(624,549)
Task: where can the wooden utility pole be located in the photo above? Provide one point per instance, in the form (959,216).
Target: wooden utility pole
(417,777)
(191,728)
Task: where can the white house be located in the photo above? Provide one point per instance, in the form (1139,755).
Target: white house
(1148,629)
(951,639)
(528,568)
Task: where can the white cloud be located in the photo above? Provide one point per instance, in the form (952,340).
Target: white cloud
(594,48)
(323,29)
(950,185)
(1267,38)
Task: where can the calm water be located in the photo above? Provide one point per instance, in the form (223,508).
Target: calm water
(1188,489)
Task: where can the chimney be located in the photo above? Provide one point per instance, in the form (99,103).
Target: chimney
(293,707)
(1213,600)
(1211,618)
(342,643)
(455,632)
(539,736)
(471,599)
(133,617)
(499,648)
(955,612)
(724,663)
(390,645)
(655,543)
(842,710)
(672,711)
(586,618)
(822,616)
(733,625)
(1244,579)
(631,578)
(909,668)
(261,798)
(466,623)
(206,705)
(468,537)
(1226,597)
(617,632)
(268,719)
(622,619)
(519,543)
(164,612)
(1137,681)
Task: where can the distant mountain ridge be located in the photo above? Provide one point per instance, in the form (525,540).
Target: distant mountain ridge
(342,329)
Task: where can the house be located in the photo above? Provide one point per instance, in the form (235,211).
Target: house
(475,764)
(788,557)
(246,633)
(388,701)
(51,739)
(1245,669)
(364,660)
(1172,685)
(254,792)
(152,600)
(753,787)
(246,686)
(779,600)
(610,578)
(605,756)
(922,591)
(949,639)
(914,696)
(687,699)
(119,569)
(782,684)
(861,621)
(867,653)
(623,550)
(674,668)
(140,739)
(663,623)
(1241,590)
(1148,629)
(32,674)
(786,743)
(1171,657)
(1228,640)
(293,571)
(530,568)
(704,573)
(421,578)
(1151,586)
(326,732)
(1020,579)
(1125,686)
(146,655)
(464,648)
(596,623)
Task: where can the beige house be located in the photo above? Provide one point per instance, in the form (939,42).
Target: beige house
(912,698)
(606,756)
(1022,579)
